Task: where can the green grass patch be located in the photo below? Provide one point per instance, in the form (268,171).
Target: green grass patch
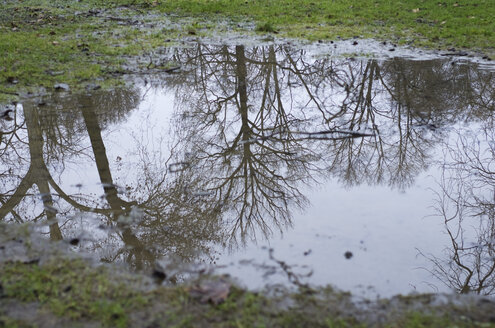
(45,42)
(265,27)
(72,289)
(78,293)
(466,24)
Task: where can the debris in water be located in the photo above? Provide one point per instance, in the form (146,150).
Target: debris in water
(50,209)
(74,241)
(172,69)
(458,53)
(202,193)
(158,275)
(135,215)
(6,115)
(179,166)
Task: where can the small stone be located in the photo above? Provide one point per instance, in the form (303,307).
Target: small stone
(158,275)
(6,115)
(74,241)
(93,86)
(12,80)
(54,73)
(61,87)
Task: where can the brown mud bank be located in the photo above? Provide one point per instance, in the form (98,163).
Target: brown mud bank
(44,284)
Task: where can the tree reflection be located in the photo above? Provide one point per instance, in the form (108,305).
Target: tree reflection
(42,139)
(466,203)
(243,142)
(251,128)
(255,124)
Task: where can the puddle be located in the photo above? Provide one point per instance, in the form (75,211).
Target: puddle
(271,163)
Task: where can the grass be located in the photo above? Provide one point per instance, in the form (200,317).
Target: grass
(72,289)
(55,288)
(72,292)
(44,42)
(449,23)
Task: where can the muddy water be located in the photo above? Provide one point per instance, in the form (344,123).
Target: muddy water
(273,164)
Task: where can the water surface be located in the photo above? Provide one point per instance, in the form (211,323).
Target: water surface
(273,164)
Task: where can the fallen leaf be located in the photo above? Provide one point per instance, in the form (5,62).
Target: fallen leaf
(215,291)
(415,10)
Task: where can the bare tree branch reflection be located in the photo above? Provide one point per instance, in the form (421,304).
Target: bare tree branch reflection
(466,203)
(251,128)
(243,139)
(40,144)
(255,124)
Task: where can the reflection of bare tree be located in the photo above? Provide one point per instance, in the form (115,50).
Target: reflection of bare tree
(258,122)
(46,143)
(144,224)
(466,202)
(252,127)
(245,145)
(37,174)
